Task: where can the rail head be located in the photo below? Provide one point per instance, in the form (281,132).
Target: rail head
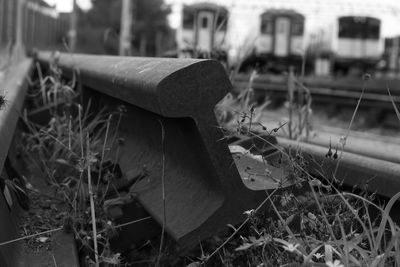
(165,86)
(14,88)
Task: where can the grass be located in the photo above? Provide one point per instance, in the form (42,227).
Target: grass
(325,225)
(75,151)
(316,222)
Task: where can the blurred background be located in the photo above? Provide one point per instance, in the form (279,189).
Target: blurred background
(329,37)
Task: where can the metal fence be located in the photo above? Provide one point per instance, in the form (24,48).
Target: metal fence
(40,26)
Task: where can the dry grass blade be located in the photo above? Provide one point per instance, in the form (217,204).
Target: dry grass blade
(240,226)
(366,78)
(92,208)
(385,217)
(393,103)
(29,236)
(163,193)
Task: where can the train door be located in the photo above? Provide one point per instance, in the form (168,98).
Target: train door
(282,36)
(204,31)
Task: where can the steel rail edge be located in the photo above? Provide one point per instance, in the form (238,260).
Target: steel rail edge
(381,176)
(319,92)
(13,89)
(204,190)
(373,146)
(351,84)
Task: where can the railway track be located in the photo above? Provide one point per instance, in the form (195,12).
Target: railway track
(344,91)
(169,126)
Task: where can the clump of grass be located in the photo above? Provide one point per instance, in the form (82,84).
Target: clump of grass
(76,152)
(300,105)
(241,111)
(318,223)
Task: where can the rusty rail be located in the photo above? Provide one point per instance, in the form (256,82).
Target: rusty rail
(342,91)
(370,145)
(203,188)
(381,176)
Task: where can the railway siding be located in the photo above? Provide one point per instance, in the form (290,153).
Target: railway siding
(344,91)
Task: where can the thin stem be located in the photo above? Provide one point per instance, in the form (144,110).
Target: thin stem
(80,128)
(163,192)
(348,130)
(240,226)
(29,236)
(93,213)
(103,149)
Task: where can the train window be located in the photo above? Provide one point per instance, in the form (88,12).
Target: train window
(266,26)
(188,20)
(281,26)
(297,27)
(222,22)
(359,28)
(350,27)
(204,22)
(345,28)
(373,29)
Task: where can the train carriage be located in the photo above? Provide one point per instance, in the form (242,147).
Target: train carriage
(280,41)
(281,33)
(359,45)
(204,27)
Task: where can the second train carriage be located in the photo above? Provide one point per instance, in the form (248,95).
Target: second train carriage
(280,41)
(204,27)
(359,44)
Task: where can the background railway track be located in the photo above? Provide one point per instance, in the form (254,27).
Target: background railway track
(342,92)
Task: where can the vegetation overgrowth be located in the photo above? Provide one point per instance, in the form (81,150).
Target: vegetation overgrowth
(315,222)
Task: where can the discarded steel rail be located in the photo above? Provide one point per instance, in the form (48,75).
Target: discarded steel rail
(344,91)
(381,176)
(373,146)
(203,188)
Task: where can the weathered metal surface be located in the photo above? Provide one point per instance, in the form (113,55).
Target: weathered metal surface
(353,84)
(203,189)
(252,156)
(13,88)
(381,176)
(373,148)
(339,91)
(362,143)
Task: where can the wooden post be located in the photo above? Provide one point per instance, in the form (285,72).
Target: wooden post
(394,55)
(73,26)
(159,44)
(1,21)
(126,27)
(291,88)
(18,49)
